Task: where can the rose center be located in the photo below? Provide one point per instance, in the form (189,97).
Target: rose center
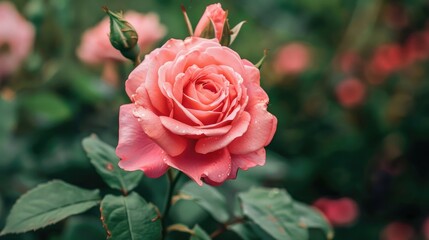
(209,86)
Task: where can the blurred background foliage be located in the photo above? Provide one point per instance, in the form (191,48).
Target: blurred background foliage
(369,144)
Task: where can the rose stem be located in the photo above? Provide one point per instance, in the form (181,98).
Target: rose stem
(222,228)
(172,181)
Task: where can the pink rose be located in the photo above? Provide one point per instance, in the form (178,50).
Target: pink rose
(292,59)
(95,47)
(16,39)
(215,15)
(350,92)
(386,59)
(398,231)
(197,107)
(338,212)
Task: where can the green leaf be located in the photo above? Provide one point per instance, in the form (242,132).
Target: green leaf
(208,198)
(235,30)
(199,234)
(209,31)
(245,231)
(311,218)
(130,218)
(272,210)
(104,158)
(75,226)
(47,204)
(261,61)
(46,108)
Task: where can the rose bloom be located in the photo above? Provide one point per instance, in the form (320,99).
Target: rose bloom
(292,59)
(339,212)
(398,231)
(95,47)
(215,15)
(350,92)
(197,107)
(16,39)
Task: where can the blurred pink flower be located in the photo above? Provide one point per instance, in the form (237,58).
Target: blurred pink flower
(197,107)
(386,59)
(16,39)
(95,47)
(215,15)
(339,212)
(397,231)
(416,47)
(425,229)
(292,59)
(350,92)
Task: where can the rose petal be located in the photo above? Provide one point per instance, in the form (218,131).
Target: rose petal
(252,73)
(136,150)
(246,161)
(259,134)
(226,56)
(151,124)
(136,79)
(215,166)
(180,128)
(211,144)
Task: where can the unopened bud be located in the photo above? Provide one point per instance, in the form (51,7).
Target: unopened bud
(123,36)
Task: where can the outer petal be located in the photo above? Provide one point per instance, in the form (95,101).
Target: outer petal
(215,166)
(136,79)
(259,134)
(211,144)
(252,73)
(151,124)
(246,161)
(136,150)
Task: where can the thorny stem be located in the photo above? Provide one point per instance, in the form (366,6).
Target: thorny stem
(222,228)
(172,182)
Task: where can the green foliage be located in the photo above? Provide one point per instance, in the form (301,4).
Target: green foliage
(130,218)
(104,159)
(312,219)
(208,198)
(91,226)
(199,234)
(46,108)
(274,211)
(47,204)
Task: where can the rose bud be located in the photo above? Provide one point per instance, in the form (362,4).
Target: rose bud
(122,35)
(398,231)
(16,39)
(95,47)
(196,107)
(350,92)
(292,59)
(214,24)
(339,212)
